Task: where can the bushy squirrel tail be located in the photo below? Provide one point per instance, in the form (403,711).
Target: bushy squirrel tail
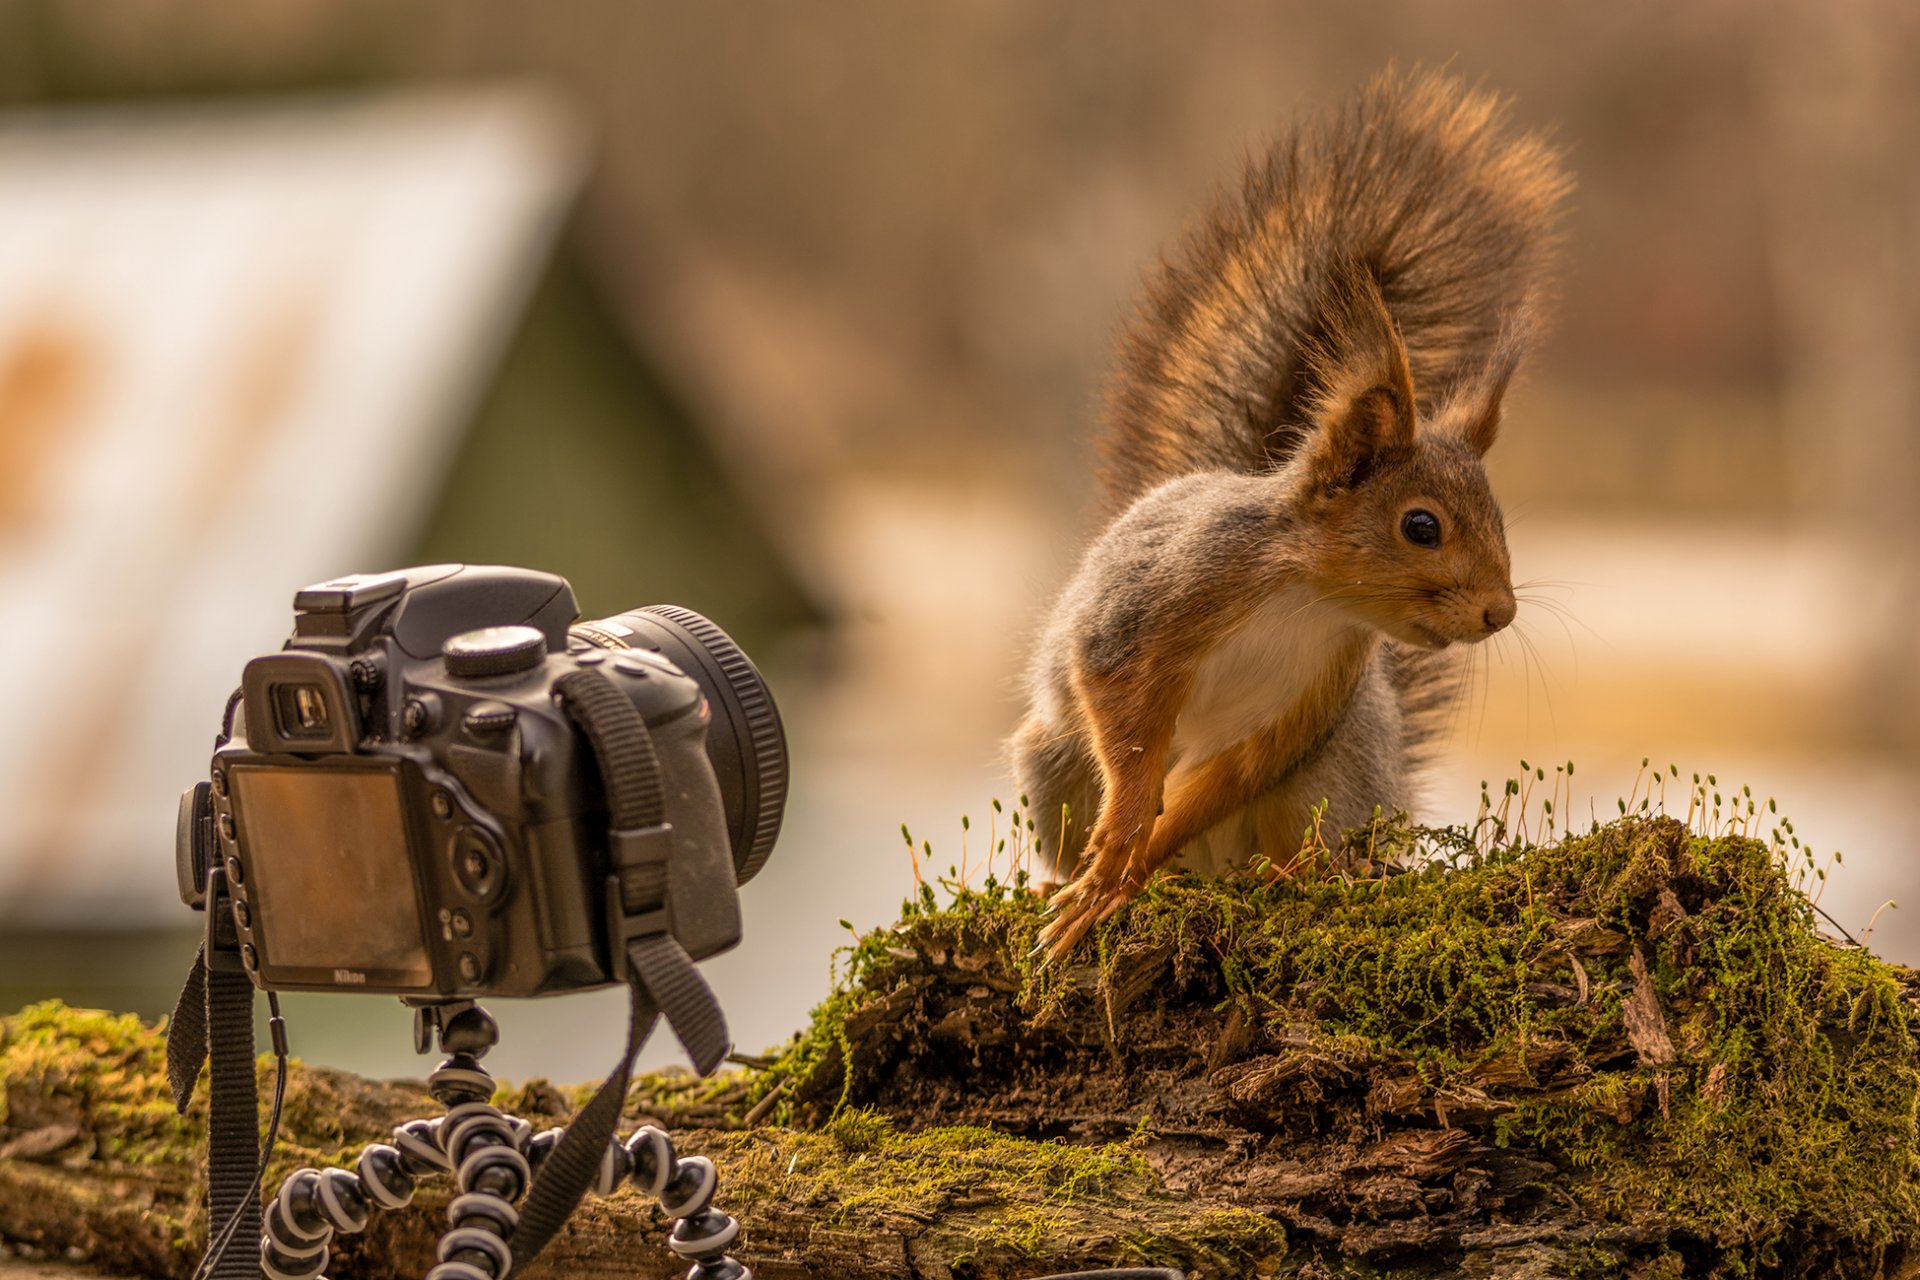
(1418,181)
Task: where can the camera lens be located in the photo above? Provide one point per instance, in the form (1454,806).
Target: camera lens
(745,740)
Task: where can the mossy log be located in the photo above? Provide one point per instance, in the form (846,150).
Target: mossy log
(1629,1053)
(94,1163)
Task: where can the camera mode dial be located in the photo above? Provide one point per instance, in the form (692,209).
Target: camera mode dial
(494,651)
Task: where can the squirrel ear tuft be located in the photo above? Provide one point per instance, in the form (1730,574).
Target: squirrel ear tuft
(1472,410)
(1363,391)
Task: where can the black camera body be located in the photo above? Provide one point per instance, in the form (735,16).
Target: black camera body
(402,804)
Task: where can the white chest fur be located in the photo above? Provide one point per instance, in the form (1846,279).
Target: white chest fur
(1258,673)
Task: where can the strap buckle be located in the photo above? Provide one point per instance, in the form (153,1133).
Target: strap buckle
(631,849)
(639,846)
(222,938)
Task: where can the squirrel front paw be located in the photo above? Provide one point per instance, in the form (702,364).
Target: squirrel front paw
(1078,908)
(1109,878)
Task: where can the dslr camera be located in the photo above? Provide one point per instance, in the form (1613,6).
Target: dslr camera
(445,788)
(409,798)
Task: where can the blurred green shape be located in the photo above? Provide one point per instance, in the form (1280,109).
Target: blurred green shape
(581,461)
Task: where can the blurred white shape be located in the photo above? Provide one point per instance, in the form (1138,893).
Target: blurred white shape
(237,344)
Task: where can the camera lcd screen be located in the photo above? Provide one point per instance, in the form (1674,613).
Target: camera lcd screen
(329,872)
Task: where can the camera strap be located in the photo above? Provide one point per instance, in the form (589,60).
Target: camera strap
(660,974)
(213,1019)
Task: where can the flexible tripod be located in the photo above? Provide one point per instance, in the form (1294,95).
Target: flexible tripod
(492,1158)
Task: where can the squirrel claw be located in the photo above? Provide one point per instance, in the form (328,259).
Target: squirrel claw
(1078,909)
(1059,938)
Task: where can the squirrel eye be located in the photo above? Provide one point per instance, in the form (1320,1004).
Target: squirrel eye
(1421,528)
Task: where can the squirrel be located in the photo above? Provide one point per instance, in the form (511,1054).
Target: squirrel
(1299,524)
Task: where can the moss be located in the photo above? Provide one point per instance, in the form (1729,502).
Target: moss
(1767,1118)
(986,1192)
(1798,1100)
(927,1172)
(106,1072)
(105,1075)
(1787,1108)
(859,1130)
(1231,1235)
(1026,1229)
(977,1193)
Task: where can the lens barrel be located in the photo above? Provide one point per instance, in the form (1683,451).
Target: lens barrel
(745,740)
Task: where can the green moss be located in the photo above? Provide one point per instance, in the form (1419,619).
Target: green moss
(1026,1229)
(104,1071)
(1788,1106)
(105,1075)
(925,1172)
(859,1130)
(1798,1100)
(985,1191)
(980,1192)
(1232,1234)
(1785,1112)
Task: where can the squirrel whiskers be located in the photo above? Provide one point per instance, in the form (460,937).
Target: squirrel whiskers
(1299,521)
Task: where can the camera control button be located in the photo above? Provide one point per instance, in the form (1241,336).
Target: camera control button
(591,658)
(242,916)
(495,651)
(462,924)
(249,957)
(471,970)
(236,874)
(476,862)
(652,658)
(226,826)
(631,667)
(489,717)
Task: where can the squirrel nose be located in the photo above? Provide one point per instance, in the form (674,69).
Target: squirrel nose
(1500,613)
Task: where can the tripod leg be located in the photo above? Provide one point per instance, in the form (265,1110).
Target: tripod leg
(474,1141)
(492,1157)
(684,1187)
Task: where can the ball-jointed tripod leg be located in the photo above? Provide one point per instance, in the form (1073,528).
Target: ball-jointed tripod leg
(493,1158)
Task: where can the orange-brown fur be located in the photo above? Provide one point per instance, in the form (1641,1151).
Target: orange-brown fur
(1256,629)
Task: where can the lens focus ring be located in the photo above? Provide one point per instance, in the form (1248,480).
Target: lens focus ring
(765,739)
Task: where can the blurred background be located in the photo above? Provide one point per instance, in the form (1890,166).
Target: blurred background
(798,315)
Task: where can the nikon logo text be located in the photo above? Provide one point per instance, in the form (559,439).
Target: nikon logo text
(350,975)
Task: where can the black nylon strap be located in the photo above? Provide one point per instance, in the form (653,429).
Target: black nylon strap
(233,1121)
(629,772)
(187,1034)
(575,1159)
(214,1019)
(622,747)
(637,811)
(664,981)
(662,976)
(675,986)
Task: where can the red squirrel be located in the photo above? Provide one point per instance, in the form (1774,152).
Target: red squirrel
(1299,524)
